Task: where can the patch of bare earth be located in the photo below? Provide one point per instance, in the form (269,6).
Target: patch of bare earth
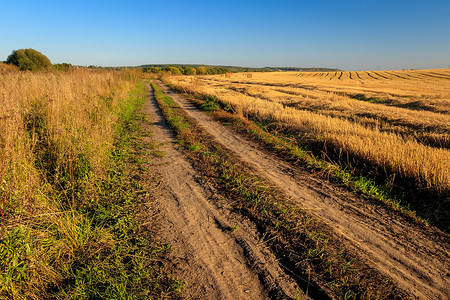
(416,257)
(219,254)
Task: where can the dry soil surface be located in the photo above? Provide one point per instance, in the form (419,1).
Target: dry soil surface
(416,257)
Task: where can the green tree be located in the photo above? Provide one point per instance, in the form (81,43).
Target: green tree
(202,71)
(63,67)
(218,70)
(29,59)
(152,70)
(189,71)
(173,70)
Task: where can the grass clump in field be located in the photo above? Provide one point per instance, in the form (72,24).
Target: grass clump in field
(70,225)
(210,104)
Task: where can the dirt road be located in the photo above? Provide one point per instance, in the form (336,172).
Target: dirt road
(417,258)
(217,253)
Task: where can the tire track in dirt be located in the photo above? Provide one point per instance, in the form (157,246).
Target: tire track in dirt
(216,261)
(417,258)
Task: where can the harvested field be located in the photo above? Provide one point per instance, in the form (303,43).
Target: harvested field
(411,256)
(392,126)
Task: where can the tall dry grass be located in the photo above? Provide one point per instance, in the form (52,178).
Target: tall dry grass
(56,130)
(390,150)
(56,139)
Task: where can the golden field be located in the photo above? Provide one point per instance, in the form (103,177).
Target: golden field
(57,137)
(54,126)
(397,122)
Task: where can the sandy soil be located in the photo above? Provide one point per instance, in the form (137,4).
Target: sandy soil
(417,258)
(218,253)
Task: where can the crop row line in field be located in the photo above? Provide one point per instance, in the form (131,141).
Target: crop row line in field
(441,75)
(434,76)
(396,75)
(378,74)
(370,75)
(421,76)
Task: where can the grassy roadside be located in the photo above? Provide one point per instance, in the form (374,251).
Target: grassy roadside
(285,145)
(92,245)
(322,263)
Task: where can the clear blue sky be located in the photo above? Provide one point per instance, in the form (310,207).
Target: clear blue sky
(350,35)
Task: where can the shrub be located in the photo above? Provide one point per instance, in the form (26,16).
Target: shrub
(29,59)
(210,104)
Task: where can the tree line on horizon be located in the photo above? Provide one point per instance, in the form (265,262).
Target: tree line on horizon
(213,70)
(187,70)
(33,60)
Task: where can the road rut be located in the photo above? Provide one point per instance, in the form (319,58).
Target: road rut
(216,261)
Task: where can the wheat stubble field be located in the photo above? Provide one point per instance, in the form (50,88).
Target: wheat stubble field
(386,131)
(393,126)
(390,240)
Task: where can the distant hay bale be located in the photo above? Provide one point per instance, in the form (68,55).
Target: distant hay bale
(228,75)
(250,75)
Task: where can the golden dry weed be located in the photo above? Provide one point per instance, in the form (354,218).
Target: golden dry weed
(51,125)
